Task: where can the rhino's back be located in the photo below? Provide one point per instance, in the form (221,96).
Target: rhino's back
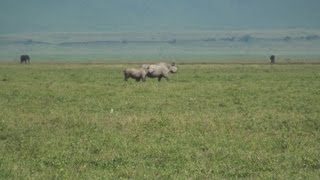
(145,66)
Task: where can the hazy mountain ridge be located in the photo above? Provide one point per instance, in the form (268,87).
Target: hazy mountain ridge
(138,46)
(160,37)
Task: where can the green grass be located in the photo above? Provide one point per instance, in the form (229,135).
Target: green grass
(208,122)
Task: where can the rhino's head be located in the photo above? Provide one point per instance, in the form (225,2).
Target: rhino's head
(173,68)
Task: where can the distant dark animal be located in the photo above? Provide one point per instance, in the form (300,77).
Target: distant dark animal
(161,70)
(137,74)
(273,59)
(24,59)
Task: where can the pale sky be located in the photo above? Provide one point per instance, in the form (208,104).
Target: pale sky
(19,16)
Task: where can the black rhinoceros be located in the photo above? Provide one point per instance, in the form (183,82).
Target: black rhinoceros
(160,70)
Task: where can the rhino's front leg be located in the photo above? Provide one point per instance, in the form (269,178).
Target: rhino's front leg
(166,76)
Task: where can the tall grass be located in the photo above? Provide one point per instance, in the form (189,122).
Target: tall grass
(73,121)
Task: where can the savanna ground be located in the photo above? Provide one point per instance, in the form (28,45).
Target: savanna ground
(210,121)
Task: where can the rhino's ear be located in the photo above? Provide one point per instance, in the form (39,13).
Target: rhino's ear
(173,64)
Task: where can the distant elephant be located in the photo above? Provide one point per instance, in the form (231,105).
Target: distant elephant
(24,59)
(161,70)
(272,59)
(137,74)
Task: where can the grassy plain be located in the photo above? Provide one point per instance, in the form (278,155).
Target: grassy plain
(210,121)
